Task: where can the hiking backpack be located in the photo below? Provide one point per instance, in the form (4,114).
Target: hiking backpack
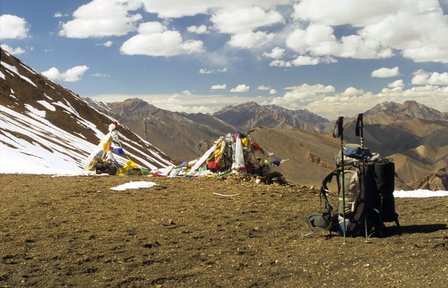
(365,186)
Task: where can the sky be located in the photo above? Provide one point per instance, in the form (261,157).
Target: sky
(331,57)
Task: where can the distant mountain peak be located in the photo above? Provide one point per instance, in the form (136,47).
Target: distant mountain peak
(407,110)
(251,114)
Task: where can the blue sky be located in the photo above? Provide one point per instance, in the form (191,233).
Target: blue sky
(332,57)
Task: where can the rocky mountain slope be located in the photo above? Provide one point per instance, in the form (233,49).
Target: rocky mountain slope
(50,126)
(249,115)
(435,181)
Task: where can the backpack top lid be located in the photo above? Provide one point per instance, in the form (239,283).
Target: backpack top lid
(352,153)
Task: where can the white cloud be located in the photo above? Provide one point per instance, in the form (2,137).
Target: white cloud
(305,60)
(13,51)
(101,75)
(13,27)
(251,40)
(73,74)
(385,72)
(263,88)
(414,29)
(276,53)
(298,96)
(426,78)
(102,18)
(202,29)
(396,84)
(106,44)
(218,87)
(280,63)
(345,12)
(154,40)
(316,39)
(212,71)
(181,8)
(319,40)
(59,15)
(272,91)
(358,47)
(302,60)
(242,20)
(241,88)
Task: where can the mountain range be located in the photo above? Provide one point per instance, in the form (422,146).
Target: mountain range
(36,112)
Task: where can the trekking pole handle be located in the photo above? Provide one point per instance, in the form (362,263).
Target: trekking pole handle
(338,130)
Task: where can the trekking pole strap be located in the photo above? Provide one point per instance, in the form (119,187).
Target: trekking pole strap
(338,130)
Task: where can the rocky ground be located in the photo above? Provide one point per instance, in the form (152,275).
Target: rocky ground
(202,232)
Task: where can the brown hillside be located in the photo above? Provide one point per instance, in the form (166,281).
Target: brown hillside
(435,181)
(311,156)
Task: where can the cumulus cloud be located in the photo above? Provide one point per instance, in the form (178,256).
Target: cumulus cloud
(241,88)
(396,84)
(153,39)
(422,77)
(301,95)
(181,8)
(250,40)
(413,29)
(218,87)
(280,63)
(13,27)
(316,38)
(263,88)
(73,74)
(306,60)
(344,12)
(320,40)
(102,18)
(276,53)
(13,51)
(246,19)
(302,60)
(202,29)
(385,72)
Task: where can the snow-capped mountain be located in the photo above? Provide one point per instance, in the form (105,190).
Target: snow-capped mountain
(45,128)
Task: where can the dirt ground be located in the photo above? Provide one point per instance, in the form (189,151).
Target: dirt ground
(202,232)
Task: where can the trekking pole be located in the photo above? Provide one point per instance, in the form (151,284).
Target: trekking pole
(360,133)
(338,132)
(359,129)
